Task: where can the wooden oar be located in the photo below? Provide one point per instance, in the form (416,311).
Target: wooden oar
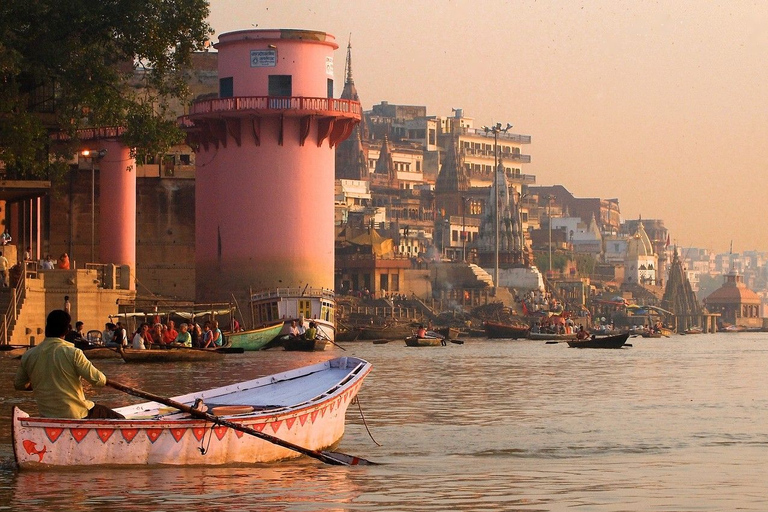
(335,458)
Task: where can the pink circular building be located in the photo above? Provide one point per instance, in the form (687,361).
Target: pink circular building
(265,164)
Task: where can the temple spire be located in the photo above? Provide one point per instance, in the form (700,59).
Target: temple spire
(348,65)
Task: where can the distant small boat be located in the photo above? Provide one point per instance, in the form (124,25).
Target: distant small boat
(170,355)
(429,341)
(693,330)
(502,330)
(651,334)
(255,339)
(616,341)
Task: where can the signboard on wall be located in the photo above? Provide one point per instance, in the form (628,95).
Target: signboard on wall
(329,66)
(263,58)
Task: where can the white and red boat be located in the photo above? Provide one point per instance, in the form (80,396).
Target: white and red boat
(305,407)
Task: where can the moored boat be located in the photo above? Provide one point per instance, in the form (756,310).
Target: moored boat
(616,341)
(300,303)
(255,339)
(305,406)
(428,341)
(502,330)
(166,355)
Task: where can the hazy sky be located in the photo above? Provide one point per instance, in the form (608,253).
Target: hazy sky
(661,104)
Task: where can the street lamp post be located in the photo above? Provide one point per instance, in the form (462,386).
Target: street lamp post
(93,155)
(463,229)
(549,220)
(495,129)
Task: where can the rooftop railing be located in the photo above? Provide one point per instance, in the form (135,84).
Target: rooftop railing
(261,103)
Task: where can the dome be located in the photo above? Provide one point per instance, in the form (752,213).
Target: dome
(639,244)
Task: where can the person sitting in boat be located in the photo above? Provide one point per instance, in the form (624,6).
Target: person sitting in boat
(301,329)
(142,338)
(183,338)
(120,337)
(293,330)
(157,335)
(52,371)
(170,333)
(108,334)
(311,333)
(76,335)
(582,334)
(212,335)
(422,332)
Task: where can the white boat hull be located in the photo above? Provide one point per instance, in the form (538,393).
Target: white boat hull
(170,437)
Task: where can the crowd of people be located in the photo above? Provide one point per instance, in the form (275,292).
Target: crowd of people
(164,335)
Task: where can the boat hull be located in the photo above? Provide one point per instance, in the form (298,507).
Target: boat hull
(413,341)
(498,330)
(170,355)
(551,337)
(301,345)
(255,339)
(175,439)
(616,341)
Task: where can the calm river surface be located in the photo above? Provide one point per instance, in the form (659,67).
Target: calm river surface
(678,424)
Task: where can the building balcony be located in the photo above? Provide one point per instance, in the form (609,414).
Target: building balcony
(510,137)
(215,121)
(269,105)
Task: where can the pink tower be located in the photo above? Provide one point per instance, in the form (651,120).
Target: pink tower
(117,197)
(265,164)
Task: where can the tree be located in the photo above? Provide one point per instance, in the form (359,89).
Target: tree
(72,64)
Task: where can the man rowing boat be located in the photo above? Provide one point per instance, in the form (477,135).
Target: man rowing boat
(52,371)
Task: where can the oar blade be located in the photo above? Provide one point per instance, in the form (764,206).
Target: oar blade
(348,460)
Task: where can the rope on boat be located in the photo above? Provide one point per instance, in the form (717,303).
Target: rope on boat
(359,407)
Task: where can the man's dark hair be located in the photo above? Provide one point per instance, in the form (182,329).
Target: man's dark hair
(57,323)
(78,325)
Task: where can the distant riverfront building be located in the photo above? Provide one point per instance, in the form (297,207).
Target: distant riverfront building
(737,304)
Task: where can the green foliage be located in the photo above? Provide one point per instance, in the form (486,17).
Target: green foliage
(541,260)
(72,64)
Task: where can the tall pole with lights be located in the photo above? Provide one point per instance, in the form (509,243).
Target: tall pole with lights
(94,156)
(496,129)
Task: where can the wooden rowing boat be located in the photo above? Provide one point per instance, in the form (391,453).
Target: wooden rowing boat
(616,341)
(501,330)
(165,355)
(101,353)
(429,341)
(296,343)
(255,339)
(12,351)
(305,406)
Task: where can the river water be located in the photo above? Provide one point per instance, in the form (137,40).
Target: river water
(678,424)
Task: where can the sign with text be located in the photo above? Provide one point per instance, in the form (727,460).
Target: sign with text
(329,66)
(263,58)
